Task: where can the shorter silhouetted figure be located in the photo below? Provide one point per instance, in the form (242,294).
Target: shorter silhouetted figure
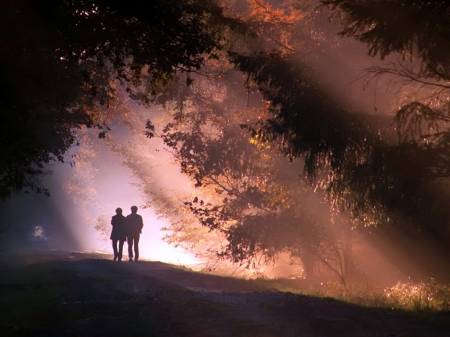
(134,224)
(118,233)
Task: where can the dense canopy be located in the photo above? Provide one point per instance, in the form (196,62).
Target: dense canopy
(69,63)
(58,65)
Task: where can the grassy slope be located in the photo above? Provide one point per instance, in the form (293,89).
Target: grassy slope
(88,295)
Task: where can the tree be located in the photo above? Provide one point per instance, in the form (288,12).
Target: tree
(87,48)
(417,30)
(58,67)
(214,153)
(400,26)
(245,200)
(341,153)
(361,169)
(246,193)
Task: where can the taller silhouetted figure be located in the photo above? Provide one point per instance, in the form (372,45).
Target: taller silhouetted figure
(134,224)
(118,233)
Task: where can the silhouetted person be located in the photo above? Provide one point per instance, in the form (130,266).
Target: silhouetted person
(134,225)
(118,233)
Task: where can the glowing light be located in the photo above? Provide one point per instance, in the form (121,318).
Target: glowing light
(152,247)
(39,232)
(160,251)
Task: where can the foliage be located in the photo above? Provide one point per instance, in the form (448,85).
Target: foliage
(335,145)
(247,196)
(250,195)
(218,156)
(400,26)
(418,297)
(404,27)
(275,27)
(355,161)
(256,209)
(424,296)
(246,193)
(68,52)
(417,30)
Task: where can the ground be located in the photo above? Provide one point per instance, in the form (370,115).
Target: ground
(88,294)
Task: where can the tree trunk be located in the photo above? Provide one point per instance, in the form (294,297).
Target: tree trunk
(308,265)
(348,254)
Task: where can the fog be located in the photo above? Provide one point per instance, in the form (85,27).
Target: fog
(64,222)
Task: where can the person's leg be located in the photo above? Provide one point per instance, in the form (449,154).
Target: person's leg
(136,247)
(130,247)
(114,245)
(121,242)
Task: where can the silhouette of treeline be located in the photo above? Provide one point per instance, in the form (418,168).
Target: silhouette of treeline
(372,178)
(58,61)
(366,173)
(59,67)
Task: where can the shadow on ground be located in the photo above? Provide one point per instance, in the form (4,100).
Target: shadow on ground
(87,294)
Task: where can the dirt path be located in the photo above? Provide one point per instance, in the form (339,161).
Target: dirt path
(74,294)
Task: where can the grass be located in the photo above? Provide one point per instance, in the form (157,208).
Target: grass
(51,298)
(421,297)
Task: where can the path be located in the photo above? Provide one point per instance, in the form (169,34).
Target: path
(72,294)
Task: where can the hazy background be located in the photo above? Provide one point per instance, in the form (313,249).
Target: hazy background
(58,222)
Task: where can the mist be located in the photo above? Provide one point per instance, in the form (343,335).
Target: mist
(110,174)
(59,222)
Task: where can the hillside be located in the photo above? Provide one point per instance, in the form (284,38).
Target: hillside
(87,294)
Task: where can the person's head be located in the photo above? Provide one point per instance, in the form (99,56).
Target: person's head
(134,209)
(119,210)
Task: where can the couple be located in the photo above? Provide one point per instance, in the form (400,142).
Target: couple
(126,228)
